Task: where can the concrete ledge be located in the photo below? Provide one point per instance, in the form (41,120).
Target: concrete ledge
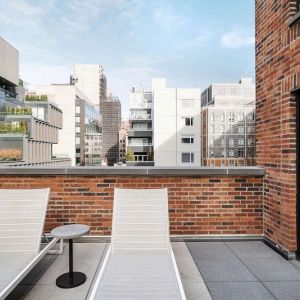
(139,171)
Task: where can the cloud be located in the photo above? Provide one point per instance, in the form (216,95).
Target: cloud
(238,38)
(200,39)
(165,18)
(40,73)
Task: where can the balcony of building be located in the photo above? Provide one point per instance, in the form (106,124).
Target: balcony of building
(216,225)
(139,133)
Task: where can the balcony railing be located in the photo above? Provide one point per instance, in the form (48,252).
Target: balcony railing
(14,128)
(140,117)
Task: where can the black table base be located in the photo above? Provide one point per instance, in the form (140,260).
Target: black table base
(70,279)
(64,281)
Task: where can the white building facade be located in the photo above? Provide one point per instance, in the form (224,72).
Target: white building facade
(176,125)
(90,79)
(140,125)
(80,138)
(228,124)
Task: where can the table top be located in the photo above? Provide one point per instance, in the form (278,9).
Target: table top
(70,231)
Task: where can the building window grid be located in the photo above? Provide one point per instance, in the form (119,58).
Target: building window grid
(187,157)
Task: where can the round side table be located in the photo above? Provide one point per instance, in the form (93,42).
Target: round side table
(70,232)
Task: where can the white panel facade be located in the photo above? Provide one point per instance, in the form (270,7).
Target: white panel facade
(88,80)
(177,127)
(9,62)
(64,96)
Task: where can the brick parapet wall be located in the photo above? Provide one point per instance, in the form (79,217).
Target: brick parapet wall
(277,75)
(197,205)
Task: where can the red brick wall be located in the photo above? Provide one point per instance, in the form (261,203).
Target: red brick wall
(205,205)
(277,73)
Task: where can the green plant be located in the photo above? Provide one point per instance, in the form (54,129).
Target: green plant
(19,111)
(129,156)
(10,154)
(16,127)
(34,97)
(150,155)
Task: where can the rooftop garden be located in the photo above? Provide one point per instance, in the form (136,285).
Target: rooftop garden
(14,127)
(10,154)
(34,97)
(19,111)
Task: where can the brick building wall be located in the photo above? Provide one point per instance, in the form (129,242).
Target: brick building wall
(277,74)
(197,205)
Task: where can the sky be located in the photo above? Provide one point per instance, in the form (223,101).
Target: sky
(192,43)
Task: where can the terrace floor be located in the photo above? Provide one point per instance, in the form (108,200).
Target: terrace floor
(209,270)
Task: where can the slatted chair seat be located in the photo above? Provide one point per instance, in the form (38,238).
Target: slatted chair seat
(22,218)
(140,263)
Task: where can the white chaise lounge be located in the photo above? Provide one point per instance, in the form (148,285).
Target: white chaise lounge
(22,217)
(139,263)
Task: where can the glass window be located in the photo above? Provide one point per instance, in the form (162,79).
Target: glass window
(77,140)
(241,142)
(249,129)
(240,152)
(189,121)
(240,117)
(240,129)
(231,142)
(231,153)
(187,157)
(231,117)
(250,142)
(77,129)
(77,109)
(187,139)
(77,119)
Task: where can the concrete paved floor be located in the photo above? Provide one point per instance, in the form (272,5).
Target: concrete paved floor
(246,270)
(209,270)
(40,284)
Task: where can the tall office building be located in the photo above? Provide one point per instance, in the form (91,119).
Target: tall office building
(80,138)
(111,121)
(28,128)
(228,118)
(176,125)
(90,79)
(140,125)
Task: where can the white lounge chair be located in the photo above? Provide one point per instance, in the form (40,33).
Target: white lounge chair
(139,263)
(22,218)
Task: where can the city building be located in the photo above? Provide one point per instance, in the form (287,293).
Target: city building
(80,138)
(176,125)
(28,129)
(140,132)
(111,121)
(228,124)
(90,79)
(278,119)
(123,139)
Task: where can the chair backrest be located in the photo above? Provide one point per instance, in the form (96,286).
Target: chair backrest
(22,218)
(140,220)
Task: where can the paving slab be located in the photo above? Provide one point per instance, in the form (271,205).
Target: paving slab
(221,268)
(272,269)
(192,281)
(239,291)
(87,257)
(251,249)
(288,290)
